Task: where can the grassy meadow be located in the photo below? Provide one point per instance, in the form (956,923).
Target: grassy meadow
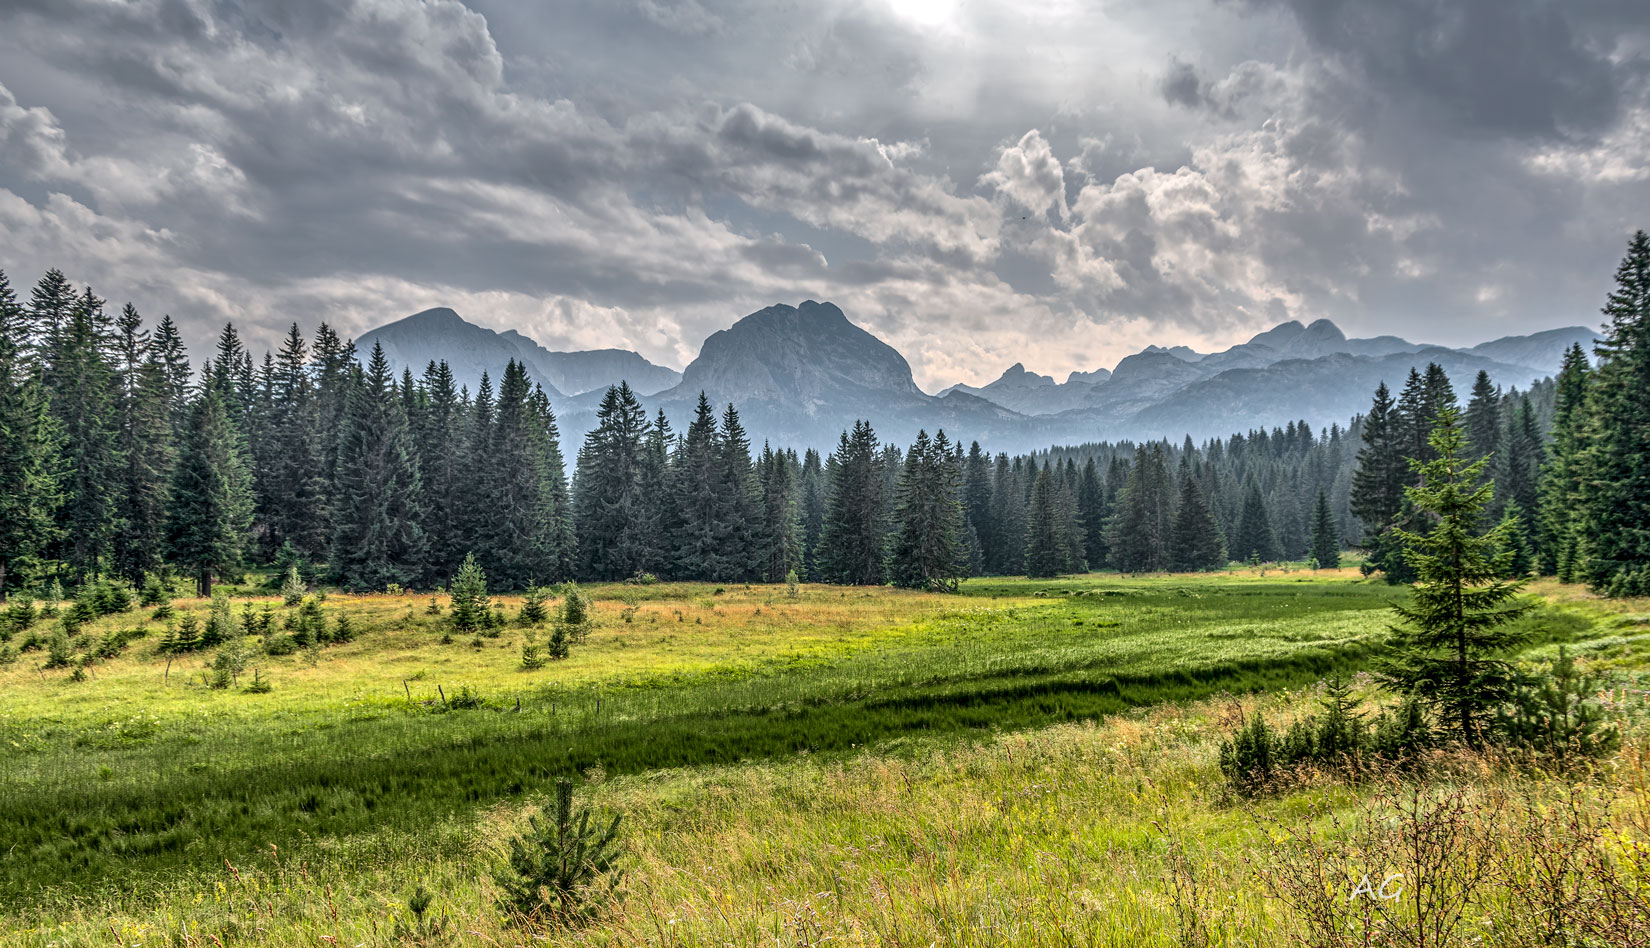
(1028,762)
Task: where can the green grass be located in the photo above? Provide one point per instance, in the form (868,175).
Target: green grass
(128,782)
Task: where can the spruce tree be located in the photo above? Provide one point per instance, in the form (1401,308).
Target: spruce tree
(377,539)
(1143,515)
(1197,543)
(83,392)
(812,512)
(30,454)
(470,604)
(1617,497)
(146,449)
(1483,418)
(1006,554)
(1092,513)
(1455,626)
(607,502)
(1045,543)
(1255,538)
(697,505)
(297,488)
(928,550)
(980,530)
(780,539)
(1326,535)
(737,551)
(523,526)
(1382,472)
(209,512)
(653,489)
(854,537)
(443,473)
(1561,488)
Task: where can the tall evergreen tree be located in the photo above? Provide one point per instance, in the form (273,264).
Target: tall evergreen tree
(1008,518)
(1255,537)
(813,511)
(1483,418)
(1143,517)
(1378,484)
(30,459)
(296,490)
(980,532)
(928,550)
(1617,498)
(1561,487)
(1093,512)
(146,449)
(377,538)
(780,539)
(1326,535)
(522,530)
(210,506)
(697,504)
(607,500)
(443,473)
(1455,627)
(1197,543)
(854,539)
(83,392)
(1045,550)
(739,505)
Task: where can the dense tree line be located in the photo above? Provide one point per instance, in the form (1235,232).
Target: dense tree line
(1572,491)
(116,458)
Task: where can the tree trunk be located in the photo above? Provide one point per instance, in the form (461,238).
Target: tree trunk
(203,584)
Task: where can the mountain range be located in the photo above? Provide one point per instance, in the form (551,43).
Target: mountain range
(801,374)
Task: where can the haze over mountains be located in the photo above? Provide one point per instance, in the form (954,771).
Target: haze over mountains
(801,374)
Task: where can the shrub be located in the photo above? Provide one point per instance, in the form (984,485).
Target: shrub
(309,625)
(19,616)
(58,654)
(1555,713)
(259,685)
(564,870)
(575,612)
(466,698)
(792,584)
(220,622)
(155,591)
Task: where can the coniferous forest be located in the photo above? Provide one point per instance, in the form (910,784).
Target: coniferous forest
(123,460)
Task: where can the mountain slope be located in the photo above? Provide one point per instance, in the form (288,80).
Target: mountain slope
(469,350)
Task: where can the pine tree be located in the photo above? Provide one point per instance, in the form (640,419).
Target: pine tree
(146,448)
(607,502)
(1093,512)
(739,503)
(1378,484)
(928,548)
(1483,418)
(83,393)
(1197,543)
(523,527)
(980,532)
(1255,538)
(470,604)
(297,487)
(780,540)
(697,506)
(1455,625)
(1617,498)
(377,539)
(30,458)
(812,512)
(1143,516)
(1045,549)
(1326,535)
(1008,519)
(443,473)
(653,489)
(854,537)
(210,510)
(1561,488)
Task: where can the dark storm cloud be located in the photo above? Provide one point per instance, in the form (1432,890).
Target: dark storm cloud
(983,183)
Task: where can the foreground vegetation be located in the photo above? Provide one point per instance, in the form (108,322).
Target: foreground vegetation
(760,743)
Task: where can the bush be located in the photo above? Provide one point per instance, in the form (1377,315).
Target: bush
(575,612)
(532,654)
(155,591)
(1556,713)
(343,630)
(220,622)
(308,625)
(19,616)
(561,871)
(259,685)
(1338,738)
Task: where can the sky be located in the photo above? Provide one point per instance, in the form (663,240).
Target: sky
(977,183)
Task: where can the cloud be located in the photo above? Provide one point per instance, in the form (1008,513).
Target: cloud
(981,186)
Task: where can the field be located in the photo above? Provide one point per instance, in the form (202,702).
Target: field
(1021,763)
